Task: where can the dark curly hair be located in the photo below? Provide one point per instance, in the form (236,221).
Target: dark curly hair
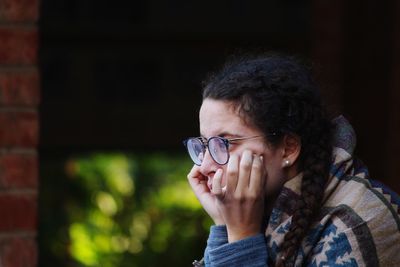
(278,95)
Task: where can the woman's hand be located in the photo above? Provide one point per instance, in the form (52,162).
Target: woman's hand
(208,200)
(241,204)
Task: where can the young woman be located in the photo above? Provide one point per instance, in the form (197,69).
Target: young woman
(279,178)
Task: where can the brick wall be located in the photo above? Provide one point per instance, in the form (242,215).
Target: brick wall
(19,99)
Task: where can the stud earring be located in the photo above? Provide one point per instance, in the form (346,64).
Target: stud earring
(286,162)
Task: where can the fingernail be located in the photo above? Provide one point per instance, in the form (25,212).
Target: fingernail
(262,158)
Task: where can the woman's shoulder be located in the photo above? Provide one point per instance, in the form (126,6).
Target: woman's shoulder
(368,198)
(362,216)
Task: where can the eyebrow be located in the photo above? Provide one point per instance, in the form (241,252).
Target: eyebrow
(224,134)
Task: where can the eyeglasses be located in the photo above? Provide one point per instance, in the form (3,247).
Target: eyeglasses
(217,146)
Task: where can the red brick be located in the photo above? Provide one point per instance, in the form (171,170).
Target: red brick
(18,45)
(19,10)
(20,88)
(18,252)
(18,171)
(18,212)
(19,129)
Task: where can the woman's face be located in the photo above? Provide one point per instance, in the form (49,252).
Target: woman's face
(221,118)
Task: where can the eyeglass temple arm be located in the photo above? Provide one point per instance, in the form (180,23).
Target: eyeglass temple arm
(247,137)
(243,138)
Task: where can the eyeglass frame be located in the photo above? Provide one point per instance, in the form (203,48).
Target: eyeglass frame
(227,141)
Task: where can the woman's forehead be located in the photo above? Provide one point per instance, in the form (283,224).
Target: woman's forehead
(218,117)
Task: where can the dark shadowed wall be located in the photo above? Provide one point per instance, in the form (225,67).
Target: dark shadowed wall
(127,75)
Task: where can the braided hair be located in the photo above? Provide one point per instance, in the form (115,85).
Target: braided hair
(277,95)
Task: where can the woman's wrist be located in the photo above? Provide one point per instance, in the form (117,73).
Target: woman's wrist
(219,222)
(234,236)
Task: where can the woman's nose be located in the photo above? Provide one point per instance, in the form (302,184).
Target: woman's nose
(208,164)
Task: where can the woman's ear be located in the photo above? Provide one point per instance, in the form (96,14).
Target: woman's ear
(291,145)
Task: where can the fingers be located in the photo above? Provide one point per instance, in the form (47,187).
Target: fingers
(195,177)
(194,173)
(245,178)
(232,171)
(245,168)
(257,178)
(217,189)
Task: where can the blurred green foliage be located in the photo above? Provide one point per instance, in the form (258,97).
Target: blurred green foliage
(116,209)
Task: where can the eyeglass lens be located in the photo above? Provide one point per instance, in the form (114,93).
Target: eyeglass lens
(218,150)
(216,145)
(196,150)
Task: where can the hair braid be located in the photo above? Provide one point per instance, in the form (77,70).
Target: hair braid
(315,165)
